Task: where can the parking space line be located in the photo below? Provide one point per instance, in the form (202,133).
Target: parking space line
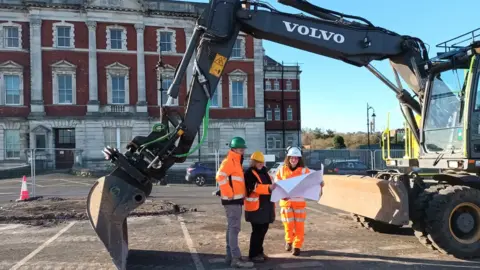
(193,251)
(396,247)
(40,248)
(75,182)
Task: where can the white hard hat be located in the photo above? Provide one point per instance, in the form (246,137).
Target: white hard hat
(294,152)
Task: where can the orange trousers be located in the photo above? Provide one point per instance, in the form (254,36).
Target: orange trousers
(293,220)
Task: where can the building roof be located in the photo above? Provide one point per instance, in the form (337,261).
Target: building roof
(160,7)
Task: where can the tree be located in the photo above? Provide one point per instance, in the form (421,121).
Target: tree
(338,142)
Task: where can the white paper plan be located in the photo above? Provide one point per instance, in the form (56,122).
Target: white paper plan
(306,186)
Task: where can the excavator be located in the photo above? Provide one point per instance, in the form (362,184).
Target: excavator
(442,115)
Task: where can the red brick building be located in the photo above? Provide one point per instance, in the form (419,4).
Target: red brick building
(82,75)
(282,104)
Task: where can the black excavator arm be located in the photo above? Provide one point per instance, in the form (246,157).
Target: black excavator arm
(351,39)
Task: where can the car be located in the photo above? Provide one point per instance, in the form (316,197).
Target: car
(274,168)
(347,167)
(200,173)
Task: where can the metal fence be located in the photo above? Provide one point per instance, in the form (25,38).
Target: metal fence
(90,164)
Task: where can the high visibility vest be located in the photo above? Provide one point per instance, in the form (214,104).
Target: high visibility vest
(283,173)
(252,202)
(230,178)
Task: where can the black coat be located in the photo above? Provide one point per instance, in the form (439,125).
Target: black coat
(266,211)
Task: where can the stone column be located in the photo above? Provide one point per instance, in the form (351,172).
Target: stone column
(189,73)
(141,91)
(93,103)
(36,87)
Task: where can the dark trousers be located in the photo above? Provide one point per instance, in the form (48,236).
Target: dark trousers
(256,239)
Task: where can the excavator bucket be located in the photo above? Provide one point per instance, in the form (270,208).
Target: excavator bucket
(378,199)
(109,202)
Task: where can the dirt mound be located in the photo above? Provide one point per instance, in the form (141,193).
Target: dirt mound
(51,211)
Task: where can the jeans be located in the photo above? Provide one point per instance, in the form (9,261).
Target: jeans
(234,217)
(256,239)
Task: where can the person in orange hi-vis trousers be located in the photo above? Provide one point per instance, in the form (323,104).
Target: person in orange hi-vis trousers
(292,210)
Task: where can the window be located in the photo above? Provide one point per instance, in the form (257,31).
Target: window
(117,137)
(237,49)
(12,89)
(118,89)
(12,35)
(289,141)
(268,85)
(63,35)
(289,85)
(216,98)
(64,82)
(116,38)
(289,114)
(11,84)
(270,143)
(277,85)
(40,141)
(277,114)
(166,82)
(166,40)
(278,143)
(237,94)
(65,92)
(213,138)
(165,76)
(12,143)
(269,114)
(118,84)
(238,89)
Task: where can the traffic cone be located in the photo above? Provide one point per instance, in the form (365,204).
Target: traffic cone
(24,191)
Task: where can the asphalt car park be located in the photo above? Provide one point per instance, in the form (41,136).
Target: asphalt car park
(196,240)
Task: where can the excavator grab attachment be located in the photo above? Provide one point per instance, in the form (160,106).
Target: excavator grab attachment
(384,200)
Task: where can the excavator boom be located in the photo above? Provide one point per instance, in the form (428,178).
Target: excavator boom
(351,39)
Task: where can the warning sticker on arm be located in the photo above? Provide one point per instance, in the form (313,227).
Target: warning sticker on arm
(217,66)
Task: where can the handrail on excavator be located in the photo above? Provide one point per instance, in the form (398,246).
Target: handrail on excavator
(386,133)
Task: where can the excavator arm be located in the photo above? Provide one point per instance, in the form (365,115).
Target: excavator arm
(353,40)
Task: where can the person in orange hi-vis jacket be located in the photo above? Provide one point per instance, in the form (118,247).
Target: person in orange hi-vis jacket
(292,210)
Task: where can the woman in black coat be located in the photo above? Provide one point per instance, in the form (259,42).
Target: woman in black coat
(259,210)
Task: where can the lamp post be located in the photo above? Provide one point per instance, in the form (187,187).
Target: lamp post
(368,123)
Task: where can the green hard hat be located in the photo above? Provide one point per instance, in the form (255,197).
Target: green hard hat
(238,142)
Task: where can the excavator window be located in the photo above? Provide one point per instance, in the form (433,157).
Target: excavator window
(443,126)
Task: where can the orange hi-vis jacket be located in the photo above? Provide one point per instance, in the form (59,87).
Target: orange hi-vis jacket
(230,179)
(285,172)
(252,202)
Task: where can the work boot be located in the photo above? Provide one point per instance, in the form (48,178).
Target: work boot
(228,260)
(240,263)
(258,258)
(288,246)
(296,252)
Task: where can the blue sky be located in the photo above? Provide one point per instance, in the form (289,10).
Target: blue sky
(334,94)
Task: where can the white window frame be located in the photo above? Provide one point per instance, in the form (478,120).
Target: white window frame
(277,110)
(276,85)
(238,75)
(214,139)
(173,45)
(268,85)
(268,113)
(167,73)
(272,140)
(10,68)
(117,69)
(3,43)
(55,35)
(118,136)
(289,113)
(63,67)
(289,85)
(290,141)
(242,41)
(5,144)
(218,92)
(109,38)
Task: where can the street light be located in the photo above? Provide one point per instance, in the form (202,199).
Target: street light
(368,122)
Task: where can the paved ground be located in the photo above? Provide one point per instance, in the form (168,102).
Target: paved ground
(195,240)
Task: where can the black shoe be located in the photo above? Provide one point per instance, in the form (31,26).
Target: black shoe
(296,252)
(288,246)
